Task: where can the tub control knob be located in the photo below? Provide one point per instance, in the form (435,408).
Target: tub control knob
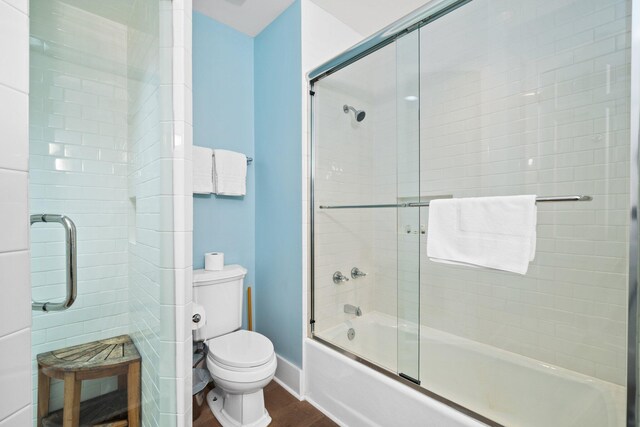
(356,273)
(338,278)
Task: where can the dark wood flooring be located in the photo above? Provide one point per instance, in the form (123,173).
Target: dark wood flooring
(285,410)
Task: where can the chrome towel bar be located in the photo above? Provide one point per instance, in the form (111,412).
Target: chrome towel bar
(578,198)
(71,256)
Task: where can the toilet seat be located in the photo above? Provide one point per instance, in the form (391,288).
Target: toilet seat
(220,372)
(241,350)
(241,357)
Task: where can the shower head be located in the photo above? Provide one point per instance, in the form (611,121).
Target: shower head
(359,114)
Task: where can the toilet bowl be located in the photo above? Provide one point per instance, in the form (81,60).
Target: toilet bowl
(240,362)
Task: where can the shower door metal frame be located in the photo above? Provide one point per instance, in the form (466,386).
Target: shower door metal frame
(633,300)
(417,19)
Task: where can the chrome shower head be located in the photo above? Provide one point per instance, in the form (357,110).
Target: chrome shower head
(359,114)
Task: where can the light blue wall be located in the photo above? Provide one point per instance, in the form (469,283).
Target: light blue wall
(237,79)
(223,117)
(278,130)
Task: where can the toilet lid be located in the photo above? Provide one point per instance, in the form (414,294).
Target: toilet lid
(241,349)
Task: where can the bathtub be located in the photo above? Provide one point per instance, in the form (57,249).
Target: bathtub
(505,387)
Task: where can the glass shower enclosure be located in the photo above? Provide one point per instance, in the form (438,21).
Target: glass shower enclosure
(100,161)
(471,99)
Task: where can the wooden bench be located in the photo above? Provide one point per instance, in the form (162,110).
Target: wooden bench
(98,359)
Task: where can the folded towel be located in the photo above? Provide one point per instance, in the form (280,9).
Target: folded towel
(202,170)
(493,232)
(230,173)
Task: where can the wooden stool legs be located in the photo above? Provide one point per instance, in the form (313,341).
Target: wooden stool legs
(72,388)
(43,395)
(110,357)
(133,394)
(122,382)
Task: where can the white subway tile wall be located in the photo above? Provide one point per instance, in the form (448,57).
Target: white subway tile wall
(160,200)
(355,163)
(323,37)
(145,193)
(15,306)
(533,98)
(175,336)
(523,98)
(343,239)
(78,167)
(103,151)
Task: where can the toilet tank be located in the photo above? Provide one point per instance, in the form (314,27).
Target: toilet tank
(220,293)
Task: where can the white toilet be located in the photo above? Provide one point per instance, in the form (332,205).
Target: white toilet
(241,362)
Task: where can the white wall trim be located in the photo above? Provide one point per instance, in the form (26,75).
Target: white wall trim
(289,376)
(324,411)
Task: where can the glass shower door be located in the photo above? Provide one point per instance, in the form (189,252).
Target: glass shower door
(366,269)
(96,166)
(355,218)
(531,97)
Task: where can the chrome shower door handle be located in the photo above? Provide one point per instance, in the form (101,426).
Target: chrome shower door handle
(71,258)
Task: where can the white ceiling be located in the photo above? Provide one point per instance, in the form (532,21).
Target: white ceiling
(247,16)
(368,16)
(252,16)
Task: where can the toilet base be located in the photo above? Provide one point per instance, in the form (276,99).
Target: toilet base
(254,404)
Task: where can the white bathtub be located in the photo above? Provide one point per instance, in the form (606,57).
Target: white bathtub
(505,387)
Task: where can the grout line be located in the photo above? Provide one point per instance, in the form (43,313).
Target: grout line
(17,411)
(13,88)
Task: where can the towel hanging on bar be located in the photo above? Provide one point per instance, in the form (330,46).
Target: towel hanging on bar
(492,232)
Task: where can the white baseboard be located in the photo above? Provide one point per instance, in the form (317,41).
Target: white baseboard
(324,411)
(289,376)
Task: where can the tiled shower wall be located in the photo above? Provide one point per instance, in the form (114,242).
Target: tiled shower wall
(105,144)
(91,71)
(78,167)
(15,305)
(343,238)
(143,202)
(176,310)
(323,36)
(160,205)
(534,99)
(523,98)
(357,163)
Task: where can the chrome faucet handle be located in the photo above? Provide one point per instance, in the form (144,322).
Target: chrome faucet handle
(338,278)
(356,273)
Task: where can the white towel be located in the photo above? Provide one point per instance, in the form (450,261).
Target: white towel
(230,173)
(493,232)
(202,170)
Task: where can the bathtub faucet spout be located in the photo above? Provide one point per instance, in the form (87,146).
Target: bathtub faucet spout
(352,309)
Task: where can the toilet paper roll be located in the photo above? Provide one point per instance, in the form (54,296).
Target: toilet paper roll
(214,261)
(199,317)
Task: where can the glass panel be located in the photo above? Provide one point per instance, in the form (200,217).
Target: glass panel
(356,163)
(409,227)
(531,97)
(96,144)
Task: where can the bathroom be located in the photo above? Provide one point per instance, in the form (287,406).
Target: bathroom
(354,122)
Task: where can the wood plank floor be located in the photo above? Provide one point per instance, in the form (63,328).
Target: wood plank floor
(285,410)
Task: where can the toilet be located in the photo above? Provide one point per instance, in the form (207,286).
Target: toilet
(240,362)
